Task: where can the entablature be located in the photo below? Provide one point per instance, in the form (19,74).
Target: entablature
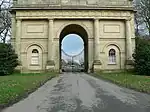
(73,14)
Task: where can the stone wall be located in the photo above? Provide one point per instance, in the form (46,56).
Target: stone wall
(41,29)
(94,3)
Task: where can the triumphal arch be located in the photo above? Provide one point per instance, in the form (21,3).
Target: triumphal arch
(106,27)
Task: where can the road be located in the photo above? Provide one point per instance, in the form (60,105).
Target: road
(79,92)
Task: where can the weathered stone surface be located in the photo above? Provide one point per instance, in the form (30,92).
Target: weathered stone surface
(93,3)
(42,29)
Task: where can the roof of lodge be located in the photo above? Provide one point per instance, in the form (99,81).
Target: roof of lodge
(73,4)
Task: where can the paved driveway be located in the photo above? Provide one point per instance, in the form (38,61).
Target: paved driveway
(79,92)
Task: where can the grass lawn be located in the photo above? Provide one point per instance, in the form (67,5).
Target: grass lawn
(17,86)
(129,80)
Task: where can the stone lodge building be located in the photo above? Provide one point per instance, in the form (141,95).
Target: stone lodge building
(106,27)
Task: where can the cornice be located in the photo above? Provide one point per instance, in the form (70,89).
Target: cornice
(74,8)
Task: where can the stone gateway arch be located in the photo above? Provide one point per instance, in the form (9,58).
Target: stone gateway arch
(80,30)
(106,27)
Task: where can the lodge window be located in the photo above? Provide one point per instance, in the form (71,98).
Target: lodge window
(112,56)
(35,57)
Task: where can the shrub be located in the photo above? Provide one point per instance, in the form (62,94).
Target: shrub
(142,57)
(8,59)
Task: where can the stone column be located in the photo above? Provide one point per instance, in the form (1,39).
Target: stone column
(13,19)
(50,62)
(57,56)
(96,40)
(90,54)
(129,61)
(18,39)
(50,39)
(128,42)
(97,62)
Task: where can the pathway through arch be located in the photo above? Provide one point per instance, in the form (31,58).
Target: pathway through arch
(79,92)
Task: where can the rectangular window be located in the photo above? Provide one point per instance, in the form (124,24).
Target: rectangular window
(35,59)
(112,60)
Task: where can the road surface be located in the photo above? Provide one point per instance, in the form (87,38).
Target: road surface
(79,92)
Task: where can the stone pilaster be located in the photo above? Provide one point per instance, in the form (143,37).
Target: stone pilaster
(96,39)
(50,39)
(13,19)
(18,39)
(128,43)
(57,56)
(18,25)
(50,62)
(97,62)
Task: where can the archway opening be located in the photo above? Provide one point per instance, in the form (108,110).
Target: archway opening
(74,49)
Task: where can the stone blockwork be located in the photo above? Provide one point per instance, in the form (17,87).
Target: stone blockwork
(85,3)
(108,33)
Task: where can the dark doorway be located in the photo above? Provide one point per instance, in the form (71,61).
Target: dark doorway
(73,49)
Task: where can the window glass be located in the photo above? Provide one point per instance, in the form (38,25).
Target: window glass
(35,57)
(112,56)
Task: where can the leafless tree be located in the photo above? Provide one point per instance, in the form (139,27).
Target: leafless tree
(142,16)
(138,21)
(5,20)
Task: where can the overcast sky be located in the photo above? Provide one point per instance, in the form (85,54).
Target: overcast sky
(72,44)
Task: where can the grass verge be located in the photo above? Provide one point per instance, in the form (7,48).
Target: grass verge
(17,86)
(129,80)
